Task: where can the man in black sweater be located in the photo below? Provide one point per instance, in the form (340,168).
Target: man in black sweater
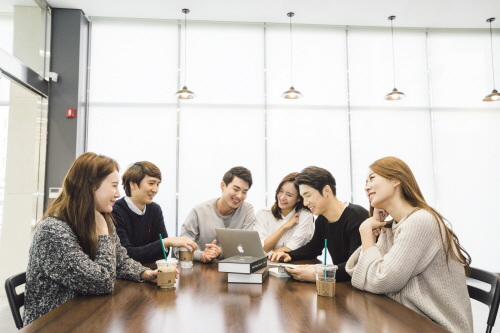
(337,221)
(139,220)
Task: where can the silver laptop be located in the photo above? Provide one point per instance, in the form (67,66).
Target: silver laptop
(239,242)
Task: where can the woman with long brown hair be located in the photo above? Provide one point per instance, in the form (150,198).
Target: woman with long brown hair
(287,225)
(417,260)
(75,249)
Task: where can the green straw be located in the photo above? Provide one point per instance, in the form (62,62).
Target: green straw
(163,246)
(326,244)
(324,259)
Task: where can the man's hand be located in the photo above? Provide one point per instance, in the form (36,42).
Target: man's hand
(279,256)
(211,252)
(180,242)
(302,273)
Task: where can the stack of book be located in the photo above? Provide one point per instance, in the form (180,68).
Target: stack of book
(245,269)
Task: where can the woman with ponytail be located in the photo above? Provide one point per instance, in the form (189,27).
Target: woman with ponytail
(417,260)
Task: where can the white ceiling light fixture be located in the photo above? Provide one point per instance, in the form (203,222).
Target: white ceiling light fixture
(185,93)
(291,93)
(394,95)
(494,96)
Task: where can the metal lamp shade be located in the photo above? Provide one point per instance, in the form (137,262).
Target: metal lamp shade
(184,93)
(395,95)
(493,97)
(292,94)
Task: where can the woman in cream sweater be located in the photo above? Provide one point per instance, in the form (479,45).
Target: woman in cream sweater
(417,260)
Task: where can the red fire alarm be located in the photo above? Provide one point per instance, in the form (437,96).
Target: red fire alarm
(70,113)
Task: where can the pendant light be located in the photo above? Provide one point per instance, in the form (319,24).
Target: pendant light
(494,96)
(394,95)
(185,93)
(292,93)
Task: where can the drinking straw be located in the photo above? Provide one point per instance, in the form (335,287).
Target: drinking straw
(324,259)
(163,246)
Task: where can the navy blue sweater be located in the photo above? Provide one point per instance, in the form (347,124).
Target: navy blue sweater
(139,233)
(343,239)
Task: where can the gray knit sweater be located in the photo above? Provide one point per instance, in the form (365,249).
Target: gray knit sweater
(409,265)
(59,270)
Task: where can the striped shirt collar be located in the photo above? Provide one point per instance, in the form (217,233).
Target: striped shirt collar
(134,208)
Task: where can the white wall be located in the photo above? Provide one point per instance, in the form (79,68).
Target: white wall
(442,130)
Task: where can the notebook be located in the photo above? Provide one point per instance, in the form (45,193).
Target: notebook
(239,242)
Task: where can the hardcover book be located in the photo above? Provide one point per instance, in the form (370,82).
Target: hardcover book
(242,264)
(257,277)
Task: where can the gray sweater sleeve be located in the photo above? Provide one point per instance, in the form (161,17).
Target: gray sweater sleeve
(59,270)
(126,267)
(64,262)
(250,220)
(191,230)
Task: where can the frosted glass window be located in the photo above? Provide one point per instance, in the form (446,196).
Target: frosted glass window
(319,64)
(298,138)
(130,134)
(467,158)
(405,134)
(6,32)
(213,140)
(133,61)
(461,67)
(225,63)
(132,115)
(371,70)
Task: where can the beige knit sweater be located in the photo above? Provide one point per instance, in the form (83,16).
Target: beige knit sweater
(409,265)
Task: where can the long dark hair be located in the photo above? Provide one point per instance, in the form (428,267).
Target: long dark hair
(394,168)
(299,205)
(76,204)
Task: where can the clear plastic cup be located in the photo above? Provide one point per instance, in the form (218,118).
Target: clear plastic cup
(167,270)
(186,257)
(325,279)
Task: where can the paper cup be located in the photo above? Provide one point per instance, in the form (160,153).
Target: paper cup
(186,257)
(167,270)
(325,279)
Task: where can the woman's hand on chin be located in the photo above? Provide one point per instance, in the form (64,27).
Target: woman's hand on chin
(369,230)
(372,225)
(380,214)
(101,225)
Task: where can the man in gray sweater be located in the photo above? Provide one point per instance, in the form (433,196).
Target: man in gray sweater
(229,211)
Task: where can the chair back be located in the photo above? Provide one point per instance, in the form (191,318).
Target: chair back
(16,301)
(490,298)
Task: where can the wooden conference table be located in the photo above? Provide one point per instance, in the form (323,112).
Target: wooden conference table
(203,301)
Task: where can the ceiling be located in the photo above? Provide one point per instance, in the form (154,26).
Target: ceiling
(409,13)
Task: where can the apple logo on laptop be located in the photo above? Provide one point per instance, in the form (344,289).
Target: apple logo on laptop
(240,248)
